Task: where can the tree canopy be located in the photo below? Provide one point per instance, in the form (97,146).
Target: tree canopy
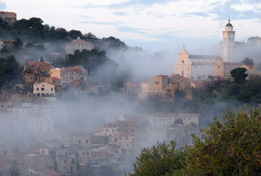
(239,75)
(227,147)
(248,61)
(8,68)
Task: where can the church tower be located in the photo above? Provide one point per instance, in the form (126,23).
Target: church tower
(228,43)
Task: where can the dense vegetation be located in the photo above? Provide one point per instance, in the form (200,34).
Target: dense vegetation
(8,69)
(35,31)
(227,147)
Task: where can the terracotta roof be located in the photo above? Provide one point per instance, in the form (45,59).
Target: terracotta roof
(250,66)
(49,172)
(2,12)
(162,76)
(73,70)
(2,161)
(54,78)
(108,125)
(9,41)
(29,74)
(79,42)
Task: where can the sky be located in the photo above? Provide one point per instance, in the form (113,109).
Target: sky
(154,25)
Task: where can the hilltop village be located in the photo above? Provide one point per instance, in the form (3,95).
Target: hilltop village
(33,141)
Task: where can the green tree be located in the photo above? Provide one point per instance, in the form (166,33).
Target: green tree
(239,75)
(162,159)
(18,43)
(248,61)
(227,147)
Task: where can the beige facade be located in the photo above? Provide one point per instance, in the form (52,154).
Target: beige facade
(165,120)
(43,89)
(160,84)
(250,70)
(68,76)
(194,67)
(146,90)
(78,44)
(223,69)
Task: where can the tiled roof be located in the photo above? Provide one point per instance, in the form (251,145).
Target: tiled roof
(50,172)
(79,42)
(2,161)
(250,66)
(54,78)
(109,125)
(29,74)
(10,13)
(73,70)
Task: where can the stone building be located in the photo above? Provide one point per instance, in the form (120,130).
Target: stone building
(160,84)
(6,44)
(78,44)
(9,17)
(38,67)
(70,76)
(43,89)
(194,67)
(165,120)
(223,69)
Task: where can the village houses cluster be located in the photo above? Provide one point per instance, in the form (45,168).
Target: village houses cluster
(27,109)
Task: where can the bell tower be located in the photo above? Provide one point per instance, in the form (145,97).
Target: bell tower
(228,43)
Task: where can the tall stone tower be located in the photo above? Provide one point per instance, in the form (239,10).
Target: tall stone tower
(228,43)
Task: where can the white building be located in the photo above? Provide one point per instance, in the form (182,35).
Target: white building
(194,67)
(78,44)
(43,89)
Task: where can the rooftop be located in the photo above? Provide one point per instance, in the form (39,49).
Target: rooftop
(78,41)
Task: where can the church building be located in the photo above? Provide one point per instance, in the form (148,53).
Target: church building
(194,67)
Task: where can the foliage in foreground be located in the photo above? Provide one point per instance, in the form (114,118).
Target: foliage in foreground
(227,147)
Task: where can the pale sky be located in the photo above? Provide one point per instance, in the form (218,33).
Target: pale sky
(152,24)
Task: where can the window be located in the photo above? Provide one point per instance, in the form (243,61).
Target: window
(87,141)
(79,141)
(51,89)
(126,138)
(37,88)
(42,89)
(182,61)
